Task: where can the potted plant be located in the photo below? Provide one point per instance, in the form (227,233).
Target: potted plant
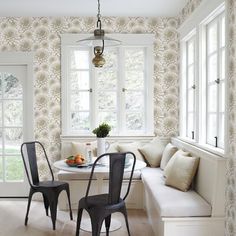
(102,132)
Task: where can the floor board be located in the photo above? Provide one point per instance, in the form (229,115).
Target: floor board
(12,215)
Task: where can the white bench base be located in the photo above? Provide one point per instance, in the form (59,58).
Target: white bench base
(78,188)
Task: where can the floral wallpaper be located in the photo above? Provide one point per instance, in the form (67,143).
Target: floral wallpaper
(230,224)
(42,36)
(187,10)
(230,229)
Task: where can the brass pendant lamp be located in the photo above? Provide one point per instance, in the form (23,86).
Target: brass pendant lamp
(98,41)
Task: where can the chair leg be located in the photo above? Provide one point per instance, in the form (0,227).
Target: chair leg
(80,212)
(107,224)
(68,196)
(46,203)
(96,223)
(28,207)
(53,210)
(124,212)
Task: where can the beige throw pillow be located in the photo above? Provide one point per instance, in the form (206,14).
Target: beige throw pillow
(153,151)
(168,152)
(182,172)
(172,159)
(132,147)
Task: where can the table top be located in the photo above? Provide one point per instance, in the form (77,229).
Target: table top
(61,165)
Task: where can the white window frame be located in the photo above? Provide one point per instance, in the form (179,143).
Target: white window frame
(128,40)
(196,23)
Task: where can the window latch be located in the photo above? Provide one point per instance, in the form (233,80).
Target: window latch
(194,86)
(216,141)
(192,134)
(124,89)
(217,80)
(90,90)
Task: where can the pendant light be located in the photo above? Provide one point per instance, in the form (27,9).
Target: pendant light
(98,41)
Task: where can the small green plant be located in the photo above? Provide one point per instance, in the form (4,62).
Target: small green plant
(102,130)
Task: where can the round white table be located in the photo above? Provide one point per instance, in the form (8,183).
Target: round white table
(100,173)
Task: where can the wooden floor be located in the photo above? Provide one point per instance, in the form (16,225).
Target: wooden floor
(12,215)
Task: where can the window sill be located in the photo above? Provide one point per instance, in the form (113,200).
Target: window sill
(128,138)
(218,151)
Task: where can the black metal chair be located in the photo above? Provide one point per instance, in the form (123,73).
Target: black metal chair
(49,189)
(100,207)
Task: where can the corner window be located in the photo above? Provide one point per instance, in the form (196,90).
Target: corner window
(203,82)
(120,93)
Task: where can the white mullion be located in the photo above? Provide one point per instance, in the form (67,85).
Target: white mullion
(121,94)
(3,140)
(93,106)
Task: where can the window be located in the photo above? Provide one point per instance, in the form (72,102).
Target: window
(215,79)
(190,85)
(203,81)
(120,93)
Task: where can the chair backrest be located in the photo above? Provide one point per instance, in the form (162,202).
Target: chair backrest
(29,156)
(116,172)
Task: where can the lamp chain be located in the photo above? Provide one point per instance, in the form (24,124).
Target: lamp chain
(99,23)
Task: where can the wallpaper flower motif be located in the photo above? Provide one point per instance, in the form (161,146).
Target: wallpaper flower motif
(42,35)
(231,171)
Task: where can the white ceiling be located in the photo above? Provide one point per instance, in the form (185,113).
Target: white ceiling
(89,7)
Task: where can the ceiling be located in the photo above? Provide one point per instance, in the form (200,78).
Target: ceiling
(145,8)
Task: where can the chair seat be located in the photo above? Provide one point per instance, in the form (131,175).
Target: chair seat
(51,184)
(100,200)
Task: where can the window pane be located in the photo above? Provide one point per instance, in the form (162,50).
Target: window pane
(212,37)
(221,130)
(110,56)
(1,116)
(107,79)
(191,81)
(1,143)
(134,100)
(12,86)
(79,80)
(190,52)
(107,100)
(1,169)
(211,129)
(212,68)
(222,96)
(13,140)
(14,168)
(223,65)
(13,111)
(79,59)
(134,121)
(212,98)
(80,101)
(223,32)
(191,100)
(134,59)
(80,120)
(134,80)
(190,125)
(110,118)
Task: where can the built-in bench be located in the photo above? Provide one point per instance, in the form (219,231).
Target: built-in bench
(198,212)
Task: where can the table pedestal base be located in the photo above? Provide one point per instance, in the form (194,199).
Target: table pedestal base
(86,225)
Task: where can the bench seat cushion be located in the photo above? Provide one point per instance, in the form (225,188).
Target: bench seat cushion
(66,175)
(171,202)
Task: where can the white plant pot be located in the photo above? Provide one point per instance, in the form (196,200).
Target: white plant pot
(102,146)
